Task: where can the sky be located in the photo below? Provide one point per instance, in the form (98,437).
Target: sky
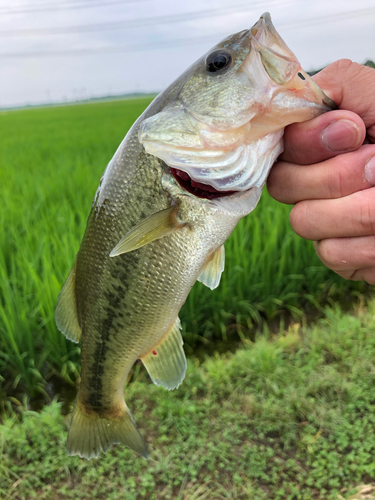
(68,50)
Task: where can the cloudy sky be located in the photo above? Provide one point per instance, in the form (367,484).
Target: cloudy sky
(58,50)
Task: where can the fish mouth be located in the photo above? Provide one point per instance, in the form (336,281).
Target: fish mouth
(282,66)
(198,189)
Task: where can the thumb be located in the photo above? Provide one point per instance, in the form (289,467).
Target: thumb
(323,137)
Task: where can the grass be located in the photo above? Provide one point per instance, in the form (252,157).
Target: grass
(51,162)
(289,417)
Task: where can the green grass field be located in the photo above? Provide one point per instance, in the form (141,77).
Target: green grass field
(51,160)
(288,417)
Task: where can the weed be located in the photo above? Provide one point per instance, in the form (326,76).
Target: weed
(290,418)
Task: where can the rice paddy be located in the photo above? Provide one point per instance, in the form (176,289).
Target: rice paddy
(51,160)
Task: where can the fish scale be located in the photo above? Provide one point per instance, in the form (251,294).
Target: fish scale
(152,234)
(149,303)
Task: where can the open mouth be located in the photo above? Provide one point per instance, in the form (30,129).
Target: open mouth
(197,188)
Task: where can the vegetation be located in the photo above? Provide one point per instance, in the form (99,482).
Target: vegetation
(51,162)
(287,417)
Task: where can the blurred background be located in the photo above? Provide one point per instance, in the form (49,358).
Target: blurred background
(67,50)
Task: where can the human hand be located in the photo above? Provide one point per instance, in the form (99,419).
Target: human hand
(328,171)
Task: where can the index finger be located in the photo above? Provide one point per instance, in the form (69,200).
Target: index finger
(333,178)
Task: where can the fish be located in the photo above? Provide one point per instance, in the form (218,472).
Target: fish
(191,166)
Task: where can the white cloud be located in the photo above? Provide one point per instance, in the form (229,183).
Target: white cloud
(41,78)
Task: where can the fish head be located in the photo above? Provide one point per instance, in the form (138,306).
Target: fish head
(221,123)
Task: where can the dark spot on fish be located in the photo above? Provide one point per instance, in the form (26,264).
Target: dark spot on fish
(301,76)
(154,353)
(114,296)
(114,301)
(120,290)
(100,354)
(93,400)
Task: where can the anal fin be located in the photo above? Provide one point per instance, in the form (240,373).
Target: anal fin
(211,273)
(150,229)
(66,309)
(166,362)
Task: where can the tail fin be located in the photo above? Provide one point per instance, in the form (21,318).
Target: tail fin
(89,434)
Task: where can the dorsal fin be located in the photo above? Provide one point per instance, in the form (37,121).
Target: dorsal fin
(211,274)
(66,309)
(166,362)
(150,229)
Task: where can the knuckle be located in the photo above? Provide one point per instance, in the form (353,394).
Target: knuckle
(299,220)
(344,64)
(336,183)
(343,178)
(327,253)
(368,250)
(365,223)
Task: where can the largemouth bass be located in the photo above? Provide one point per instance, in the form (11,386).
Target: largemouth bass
(187,171)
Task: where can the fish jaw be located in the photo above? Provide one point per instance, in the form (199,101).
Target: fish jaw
(294,96)
(231,146)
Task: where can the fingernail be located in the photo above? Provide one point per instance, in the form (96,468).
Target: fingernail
(370,171)
(340,135)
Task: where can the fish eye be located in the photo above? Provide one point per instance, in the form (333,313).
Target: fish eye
(218,61)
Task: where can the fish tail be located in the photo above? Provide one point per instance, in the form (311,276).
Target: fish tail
(90,433)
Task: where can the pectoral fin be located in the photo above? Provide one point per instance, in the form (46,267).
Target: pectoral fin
(66,309)
(211,274)
(153,228)
(166,362)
